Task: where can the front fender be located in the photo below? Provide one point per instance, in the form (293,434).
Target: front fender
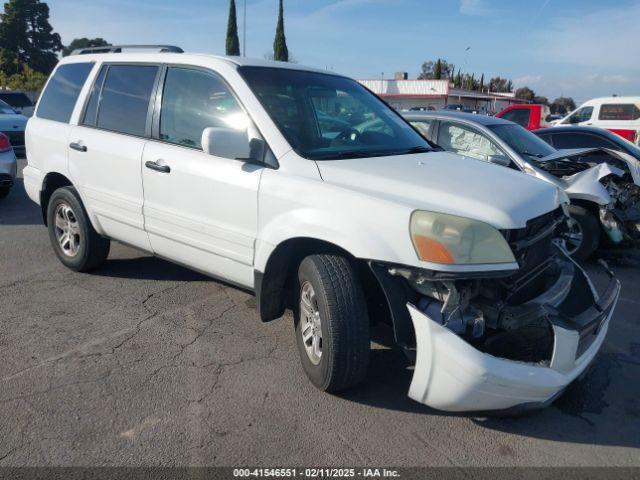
(586,185)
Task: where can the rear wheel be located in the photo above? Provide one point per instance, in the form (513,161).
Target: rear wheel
(76,243)
(331,323)
(582,236)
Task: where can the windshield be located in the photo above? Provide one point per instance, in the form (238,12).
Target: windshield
(326,117)
(4,108)
(522,141)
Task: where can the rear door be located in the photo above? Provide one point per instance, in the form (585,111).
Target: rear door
(105,149)
(200,210)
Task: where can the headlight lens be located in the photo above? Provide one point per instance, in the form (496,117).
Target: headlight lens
(449,239)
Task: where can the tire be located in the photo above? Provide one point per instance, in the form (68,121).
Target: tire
(91,249)
(4,191)
(344,323)
(589,226)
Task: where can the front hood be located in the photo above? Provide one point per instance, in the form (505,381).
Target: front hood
(12,122)
(448,183)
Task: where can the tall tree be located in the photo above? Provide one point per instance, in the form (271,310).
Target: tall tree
(429,70)
(280,50)
(525,93)
(482,83)
(233,43)
(84,43)
(27,37)
(437,72)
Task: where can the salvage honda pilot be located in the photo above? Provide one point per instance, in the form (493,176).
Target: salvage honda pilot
(253,172)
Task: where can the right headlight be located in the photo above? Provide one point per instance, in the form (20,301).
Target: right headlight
(453,240)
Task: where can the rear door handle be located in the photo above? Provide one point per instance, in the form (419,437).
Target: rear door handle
(77,146)
(157,167)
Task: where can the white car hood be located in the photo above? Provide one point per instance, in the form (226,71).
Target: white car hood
(448,183)
(12,122)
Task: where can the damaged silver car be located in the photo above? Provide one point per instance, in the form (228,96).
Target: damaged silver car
(605,196)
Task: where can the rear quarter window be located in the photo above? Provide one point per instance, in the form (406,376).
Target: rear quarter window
(619,111)
(61,94)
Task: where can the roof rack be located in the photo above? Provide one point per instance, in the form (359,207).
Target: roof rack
(119,48)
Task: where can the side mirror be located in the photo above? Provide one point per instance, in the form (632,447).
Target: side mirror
(501,160)
(228,143)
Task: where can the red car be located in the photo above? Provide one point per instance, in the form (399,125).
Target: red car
(530,116)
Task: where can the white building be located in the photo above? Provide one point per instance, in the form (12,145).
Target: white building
(436,94)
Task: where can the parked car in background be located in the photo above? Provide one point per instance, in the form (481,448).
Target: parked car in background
(604,196)
(529,116)
(620,115)
(12,124)
(8,166)
(19,101)
(222,164)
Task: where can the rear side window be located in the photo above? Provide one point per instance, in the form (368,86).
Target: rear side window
(619,111)
(59,98)
(124,104)
(16,100)
(91,112)
(580,140)
(519,116)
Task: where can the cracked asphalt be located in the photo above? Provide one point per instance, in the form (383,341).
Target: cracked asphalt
(146,363)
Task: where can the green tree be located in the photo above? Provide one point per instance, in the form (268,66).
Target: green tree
(541,100)
(27,37)
(437,72)
(429,70)
(280,50)
(500,85)
(233,43)
(525,93)
(482,83)
(84,43)
(562,105)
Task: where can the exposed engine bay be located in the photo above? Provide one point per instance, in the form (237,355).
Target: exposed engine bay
(509,315)
(620,176)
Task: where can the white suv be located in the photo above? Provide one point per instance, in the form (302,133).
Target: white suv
(307,189)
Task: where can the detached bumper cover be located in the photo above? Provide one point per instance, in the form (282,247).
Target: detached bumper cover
(452,375)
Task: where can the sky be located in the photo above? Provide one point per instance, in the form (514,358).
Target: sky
(577,48)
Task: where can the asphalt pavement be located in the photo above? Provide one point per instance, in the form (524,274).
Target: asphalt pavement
(146,363)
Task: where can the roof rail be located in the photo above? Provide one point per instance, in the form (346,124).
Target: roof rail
(119,48)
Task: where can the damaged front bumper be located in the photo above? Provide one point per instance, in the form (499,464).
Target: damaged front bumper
(452,375)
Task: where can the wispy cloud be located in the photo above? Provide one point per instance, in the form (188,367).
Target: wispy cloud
(603,39)
(474,7)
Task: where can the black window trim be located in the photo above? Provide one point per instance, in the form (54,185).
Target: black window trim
(37,103)
(150,107)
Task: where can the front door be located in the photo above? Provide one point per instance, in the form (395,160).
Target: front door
(200,210)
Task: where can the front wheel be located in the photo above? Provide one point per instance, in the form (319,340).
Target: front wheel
(582,235)
(331,323)
(76,243)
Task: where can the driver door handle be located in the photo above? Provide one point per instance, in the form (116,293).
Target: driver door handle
(78,147)
(157,167)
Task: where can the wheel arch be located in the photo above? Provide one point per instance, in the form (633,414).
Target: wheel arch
(273,286)
(51,182)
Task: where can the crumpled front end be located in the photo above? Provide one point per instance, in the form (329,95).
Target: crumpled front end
(496,342)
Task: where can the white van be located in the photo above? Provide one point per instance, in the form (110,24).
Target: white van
(621,115)
(303,187)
